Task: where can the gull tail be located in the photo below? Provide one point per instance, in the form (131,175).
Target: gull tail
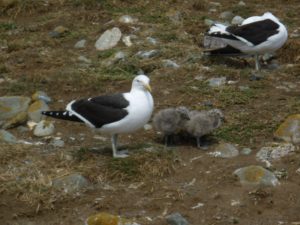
(225,51)
(63,115)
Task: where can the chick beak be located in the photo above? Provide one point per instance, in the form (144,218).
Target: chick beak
(147,87)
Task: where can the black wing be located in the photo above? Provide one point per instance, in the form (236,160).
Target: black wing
(102,110)
(256,32)
(225,51)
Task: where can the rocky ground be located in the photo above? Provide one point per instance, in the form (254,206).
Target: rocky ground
(57,172)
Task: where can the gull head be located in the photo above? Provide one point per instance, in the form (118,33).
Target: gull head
(141,82)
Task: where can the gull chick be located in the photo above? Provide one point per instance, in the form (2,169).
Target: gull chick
(203,122)
(170,121)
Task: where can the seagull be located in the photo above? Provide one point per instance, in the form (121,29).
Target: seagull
(113,114)
(255,36)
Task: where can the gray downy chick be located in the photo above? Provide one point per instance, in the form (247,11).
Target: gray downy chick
(170,121)
(203,122)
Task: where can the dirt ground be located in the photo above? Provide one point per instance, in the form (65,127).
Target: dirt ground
(153,182)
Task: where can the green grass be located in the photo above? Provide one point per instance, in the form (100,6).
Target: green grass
(7,26)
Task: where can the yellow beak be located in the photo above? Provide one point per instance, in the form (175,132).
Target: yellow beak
(147,87)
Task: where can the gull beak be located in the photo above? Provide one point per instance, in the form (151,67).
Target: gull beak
(147,87)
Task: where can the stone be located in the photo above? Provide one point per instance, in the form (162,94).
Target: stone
(80,44)
(70,183)
(227,15)
(170,64)
(241,3)
(7,137)
(35,110)
(58,32)
(148,126)
(148,54)
(108,39)
(119,56)
(43,128)
(213,42)
(84,59)
(237,20)
(151,40)
(104,218)
(256,176)
(57,142)
(246,151)
(127,19)
(20,118)
(275,151)
(41,95)
(127,40)
(225,150)
(11,106)
(208,22)
(289,130)
(217,82)
(176,219)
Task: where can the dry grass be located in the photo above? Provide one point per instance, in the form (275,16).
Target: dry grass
(27,172)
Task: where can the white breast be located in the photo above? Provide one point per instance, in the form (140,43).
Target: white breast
(139,113)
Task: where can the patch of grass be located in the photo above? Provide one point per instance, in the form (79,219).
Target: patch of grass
(82,154)
(231,96)
(8,26)
(127,168)
(106,54)
(243,11)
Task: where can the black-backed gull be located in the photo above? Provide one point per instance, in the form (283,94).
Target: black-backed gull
(255,36)
(113,114)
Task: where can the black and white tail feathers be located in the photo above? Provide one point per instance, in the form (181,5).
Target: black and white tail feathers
(63,115)
(225,51)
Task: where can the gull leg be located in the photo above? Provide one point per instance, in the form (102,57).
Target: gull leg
(198,142)
(257,65)
(116,154)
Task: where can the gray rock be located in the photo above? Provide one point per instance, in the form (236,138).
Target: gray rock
(217,82)
(108,39)
(176,219)
(80,44)
(11,106)
(119,56)
(58,32)
(57,142)
(151,40)
(213,42)
(241,3)
(148,127)
(43,128)
(289,130)
(35,109)
(127,19)
(170,64)
(84,59)
(7,137)
(148,54)
(175,16)
(256,176)
(275,151)
(237,20)
(225,150)
(127,40)
(227,15)
(208,22)
(41,95)
(246,151)
(71,183)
